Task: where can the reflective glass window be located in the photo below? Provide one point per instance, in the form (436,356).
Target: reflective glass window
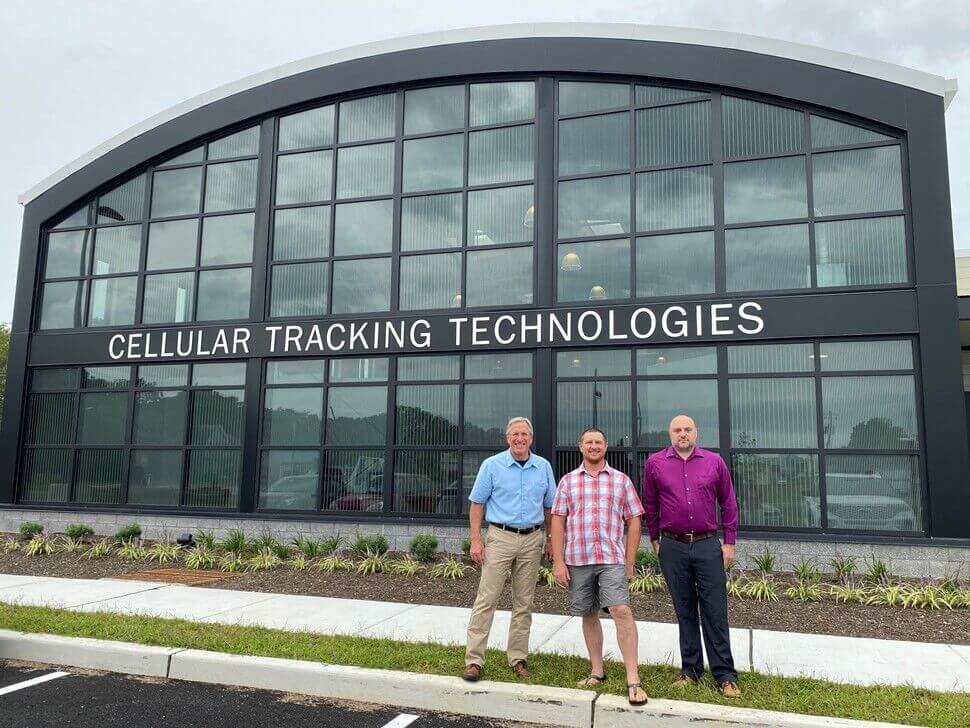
(767,189)
(867,252)
(431,221)
(164,375)
(608,405)
(176,192)
(168,298)
(831,133)
(217,417)
(125,202)
(771,358)
(302,371)
(859,180)
(360,286)
(189,157)
(435,163)
(357,415)
(504,215)
(105,377)
(299,290)
(434,109)
(767,258)
(47,424)
(494,103)
(358,370)
(172,244)
(664,94)
(873,492)
(112,301)
(313,128)
(363,227)
(214,479)
(99,476)
(353,480)
(160,417)
(499,277)
(594,271)
(870,413)
(77,218)
(365,171)
(103,418)
(426,482)
(501,155)
(231,186)
(488,408)
(116,250)
(841,356)
(241,144)
(594,144)
(430,281)
(293,416)
(428,368)
(62,305)
(754,129)
(227,239)
(302,232)
(777,489)
(675,198)
(367,118)
(660,400)
(47,476)
(289,480)
(774,413)
(675,265)
(598,206)
(677,360)
(427,414)
(593,363)
(678,134)
(498,366)
(223,294)
(576,97)
(304,177)
(155,477)
(219,374)
(67,254)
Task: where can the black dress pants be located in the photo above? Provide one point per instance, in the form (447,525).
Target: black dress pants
(697,583)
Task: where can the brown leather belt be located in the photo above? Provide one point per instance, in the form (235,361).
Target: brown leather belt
(520,531)
(690,537)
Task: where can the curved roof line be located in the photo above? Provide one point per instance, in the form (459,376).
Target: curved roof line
(946,88)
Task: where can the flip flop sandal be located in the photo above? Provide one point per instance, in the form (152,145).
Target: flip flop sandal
(591,681)
(629,687)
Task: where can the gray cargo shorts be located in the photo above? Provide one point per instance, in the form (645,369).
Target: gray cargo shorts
(597,586)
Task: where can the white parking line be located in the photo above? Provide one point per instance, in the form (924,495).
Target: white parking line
(37,681)
(404,719)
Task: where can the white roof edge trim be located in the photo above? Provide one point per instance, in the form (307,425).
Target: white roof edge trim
(882,70)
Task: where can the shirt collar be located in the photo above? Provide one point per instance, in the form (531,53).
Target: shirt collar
(671,452)
(508,460)
(607,468)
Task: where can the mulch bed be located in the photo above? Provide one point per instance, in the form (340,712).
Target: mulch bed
(826,617)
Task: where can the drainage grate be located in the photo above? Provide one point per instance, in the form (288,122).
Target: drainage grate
(177,576)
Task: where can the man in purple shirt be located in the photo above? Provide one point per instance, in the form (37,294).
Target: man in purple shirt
(682,488)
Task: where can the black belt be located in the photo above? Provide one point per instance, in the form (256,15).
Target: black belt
(690,536)
(513,529)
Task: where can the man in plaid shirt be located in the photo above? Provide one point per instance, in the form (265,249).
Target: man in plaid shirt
(591,505)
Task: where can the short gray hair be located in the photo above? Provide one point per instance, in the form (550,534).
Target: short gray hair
(517,420)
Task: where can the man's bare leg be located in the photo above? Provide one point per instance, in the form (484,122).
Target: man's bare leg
(626,636)
(593,634)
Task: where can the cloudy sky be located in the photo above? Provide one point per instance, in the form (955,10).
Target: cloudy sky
(75,72)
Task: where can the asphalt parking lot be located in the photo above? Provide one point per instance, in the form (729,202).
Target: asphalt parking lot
(35,695)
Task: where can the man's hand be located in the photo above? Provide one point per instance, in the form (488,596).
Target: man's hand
(727,551)
(631,571)
(561,573)
(656,547)
(547,549)
(477,552)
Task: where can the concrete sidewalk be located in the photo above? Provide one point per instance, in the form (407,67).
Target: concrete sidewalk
(840,659)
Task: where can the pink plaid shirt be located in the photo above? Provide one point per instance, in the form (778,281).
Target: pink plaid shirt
(596,507)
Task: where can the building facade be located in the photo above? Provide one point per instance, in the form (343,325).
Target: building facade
(317,296)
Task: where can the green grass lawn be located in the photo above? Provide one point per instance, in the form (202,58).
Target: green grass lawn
(800,695)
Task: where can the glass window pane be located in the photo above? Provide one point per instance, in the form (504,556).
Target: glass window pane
(430,281)
(427,368)
(360,286)
(501,155)
(494,103)
(78,218)
(426,482)
(675,265)
(768,189)
(105,377)
(172,244)
(504,215)
(593,362)
(125,202)
(663,94)
(865,413)
(365,171)
(357,416)
(831,133)
(230,186)
(165,375)
(223,294)
(434,109)
(155,478)
(168,298)
(303,371)
(103,418)
(53,379)
(358,370)
(363,227)
(302,232)
(369,118)
(432,221)
(112,301)
(67,254)
(189,157)
(62,305)
(861,180)
(288,480)
(434,164)
(674,134)
(218,374)
(777,489)
(160,418)
(99,476)
(861,252)
(176,192)
(594,271)
(304,177)
(767,258)
(499,277)
(313,128)
(217,417)
(575,97)
(599,206)
(488,408)
(228,239)
(116,250)
(675,198)
(594,144)
(753,129)
(427,414)
(773,413)
(771,358)
(353,480)
(299,290)
(659,401)
(47,476)
(241,144)
(841,356)
(498,366)
(677,360)
(47,424)
(214,479)
(578,407)
(293,416)
(873,492)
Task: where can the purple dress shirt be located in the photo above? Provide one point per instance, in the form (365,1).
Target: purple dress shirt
(681,496)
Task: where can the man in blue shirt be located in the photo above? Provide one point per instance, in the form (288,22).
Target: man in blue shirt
(513,493)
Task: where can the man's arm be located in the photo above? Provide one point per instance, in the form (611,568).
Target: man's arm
(476,514)
(548,499)
(729,513)
(632,544)
(558,531)
(650,497)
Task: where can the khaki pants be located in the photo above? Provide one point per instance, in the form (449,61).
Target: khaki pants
(505,553)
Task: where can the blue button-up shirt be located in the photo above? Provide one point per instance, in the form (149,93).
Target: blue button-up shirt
(513,494)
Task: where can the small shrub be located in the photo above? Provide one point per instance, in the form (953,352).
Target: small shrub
(232,562)
(39,545)
(299,562)
(307,547)
(735,587)
(10,544)
(264,560)
(546,577)
(99,550)
(804,591)
(404,567)
(67,545)
(333,563)
(164,552)
(130,551)
(199,557)
(372,563)
(891,595)
(466,547)
(78,531)
(761,590)
(267,542)
(450,568)
(807,571)
(878,572)
(29,529)
(844,567)
(964,598)
(330,544)
(647,559)
(645,582)
(424,546)
(128,533)
(848,593)
(927,596)
(374,543)
(235,542)
(765,561)
(207,539)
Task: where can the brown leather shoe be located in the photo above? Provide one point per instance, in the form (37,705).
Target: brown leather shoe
(471,673)
(730,690)
(521,670)
(684,681)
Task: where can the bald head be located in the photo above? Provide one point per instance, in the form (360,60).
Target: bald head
(683,434)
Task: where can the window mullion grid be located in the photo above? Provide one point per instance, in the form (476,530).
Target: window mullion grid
(394,305)
(390,435)
(820,436)
(75,433)
(463,263)
(143,252)
(717,160)
(810,194)
(188,434)
(332,221)
(129,438)
(632,143)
